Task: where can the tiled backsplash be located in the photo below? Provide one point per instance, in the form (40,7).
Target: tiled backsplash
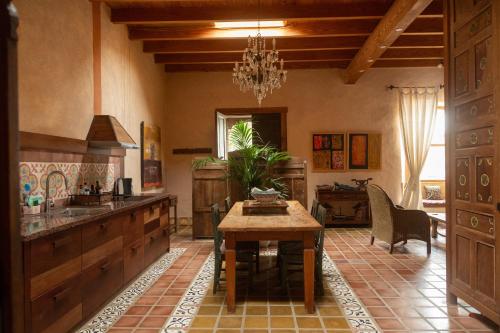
(35,173)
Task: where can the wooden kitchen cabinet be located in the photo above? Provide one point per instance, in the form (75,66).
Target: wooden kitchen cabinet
(71,274)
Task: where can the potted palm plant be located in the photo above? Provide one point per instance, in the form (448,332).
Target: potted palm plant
(252,162)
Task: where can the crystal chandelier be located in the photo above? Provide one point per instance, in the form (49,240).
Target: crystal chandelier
(259,70)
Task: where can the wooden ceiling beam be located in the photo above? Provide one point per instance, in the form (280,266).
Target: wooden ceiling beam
(228,67)
(321,28)
(304,55)
(284,44)
(137,14)
(399,18)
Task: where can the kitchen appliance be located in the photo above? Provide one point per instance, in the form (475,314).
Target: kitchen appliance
(123,187)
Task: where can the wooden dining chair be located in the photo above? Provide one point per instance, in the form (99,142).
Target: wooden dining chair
(294,255)
(242,255)
(251,245)
(297,244)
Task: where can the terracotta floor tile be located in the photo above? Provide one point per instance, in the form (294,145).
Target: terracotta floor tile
(282,322)
(335,323)
(416,324)
(230,322)
(256,322)
(203,322)
(308,322)
(389,324)
(137,310)
(161,310)
(380,311)
(128,321)
(153,322)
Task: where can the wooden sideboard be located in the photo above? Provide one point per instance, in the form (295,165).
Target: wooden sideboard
(72,273)
(345,207)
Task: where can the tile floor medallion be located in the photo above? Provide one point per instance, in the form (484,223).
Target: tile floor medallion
(339,310)
(120,304)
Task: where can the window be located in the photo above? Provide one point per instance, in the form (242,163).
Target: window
(224,125)
(434,166)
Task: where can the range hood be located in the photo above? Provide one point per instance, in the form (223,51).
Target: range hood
(106,132)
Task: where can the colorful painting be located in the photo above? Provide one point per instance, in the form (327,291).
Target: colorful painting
(365,151)
(151,166)
(329,152)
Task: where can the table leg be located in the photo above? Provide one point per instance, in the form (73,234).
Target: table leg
(230,272)
(175,217)
(309,271)
(434,225)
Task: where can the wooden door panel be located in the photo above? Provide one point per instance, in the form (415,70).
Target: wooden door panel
(484,179)
(485,269)
(462,179)
(473,145)
(462,259)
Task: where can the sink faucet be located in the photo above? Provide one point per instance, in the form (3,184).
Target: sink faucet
(48,201)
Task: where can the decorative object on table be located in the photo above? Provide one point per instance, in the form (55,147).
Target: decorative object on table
(393,224)
(329,152)
(432,192)
(365,151)
(151,163)
(361,183)
(343,187)
(268,196)
(259,70)
(254,207)
(251,164)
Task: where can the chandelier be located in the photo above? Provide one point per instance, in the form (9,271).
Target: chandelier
(259,69)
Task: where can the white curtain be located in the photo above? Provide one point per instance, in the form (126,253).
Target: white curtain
(417,111)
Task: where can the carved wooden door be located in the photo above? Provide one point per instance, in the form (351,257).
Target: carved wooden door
(473,144)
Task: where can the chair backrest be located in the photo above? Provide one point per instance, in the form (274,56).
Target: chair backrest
(381,210)
(320,240)
(314,208)
(218,236)
(228,204)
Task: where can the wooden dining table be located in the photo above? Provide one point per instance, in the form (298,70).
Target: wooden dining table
(297,225)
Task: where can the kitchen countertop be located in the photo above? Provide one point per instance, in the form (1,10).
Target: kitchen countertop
(36,226)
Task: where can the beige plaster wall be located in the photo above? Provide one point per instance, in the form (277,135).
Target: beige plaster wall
(317,100)
(56,79)
(133,88)
(55,67)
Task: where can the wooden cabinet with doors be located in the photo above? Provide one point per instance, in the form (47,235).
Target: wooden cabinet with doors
(210,185)
(473,89)
(71,274)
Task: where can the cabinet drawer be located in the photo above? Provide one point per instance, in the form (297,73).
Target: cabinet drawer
(152,246)
(101,281)
(133,228)
(99,232)
(58,310)
(54,250)
(151,213)
(133,259)
(479,222)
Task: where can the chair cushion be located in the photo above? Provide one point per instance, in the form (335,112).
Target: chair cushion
(434,203)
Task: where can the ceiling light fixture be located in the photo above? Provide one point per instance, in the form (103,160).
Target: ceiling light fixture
(248,24)
(259,69)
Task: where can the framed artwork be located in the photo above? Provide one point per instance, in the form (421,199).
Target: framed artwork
(151,168)
(329,151)
(365,151)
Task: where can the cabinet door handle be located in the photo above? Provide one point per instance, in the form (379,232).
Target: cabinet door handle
(60,295)
(103,226)
(105,266)
(135,248)
(60,242)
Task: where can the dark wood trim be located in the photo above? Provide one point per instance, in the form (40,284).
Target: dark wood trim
(141,14)
(59,144)
(398,18)
(190,151)
(96,55)
(242,111)
(11,274)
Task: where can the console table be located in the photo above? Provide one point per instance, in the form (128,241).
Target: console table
(345,207)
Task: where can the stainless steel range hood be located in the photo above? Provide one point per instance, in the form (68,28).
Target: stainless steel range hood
(106,132)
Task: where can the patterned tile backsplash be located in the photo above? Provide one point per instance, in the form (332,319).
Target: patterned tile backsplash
(35,173)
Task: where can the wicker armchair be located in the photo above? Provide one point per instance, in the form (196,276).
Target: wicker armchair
(393,224)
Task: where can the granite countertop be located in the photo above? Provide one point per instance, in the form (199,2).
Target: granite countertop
(36,226)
